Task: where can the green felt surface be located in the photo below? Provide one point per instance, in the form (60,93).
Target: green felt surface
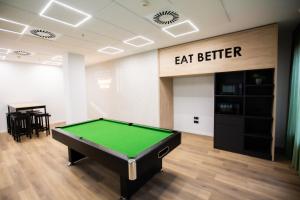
(120,137)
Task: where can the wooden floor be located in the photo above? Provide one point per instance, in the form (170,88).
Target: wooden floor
(36,169)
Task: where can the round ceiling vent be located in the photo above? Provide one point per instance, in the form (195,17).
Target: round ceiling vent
(166,17)
(44,34)
(22,53)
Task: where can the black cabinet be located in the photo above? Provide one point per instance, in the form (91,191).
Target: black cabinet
(243,112)
(232,127)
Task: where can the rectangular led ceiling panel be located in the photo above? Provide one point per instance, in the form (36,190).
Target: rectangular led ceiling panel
(180,29)
(110,50)
(138,41)
(64,14)
(4,51)
(48,62)
(12,26)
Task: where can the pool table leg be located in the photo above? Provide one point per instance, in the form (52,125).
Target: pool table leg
(128,187)
(74,156)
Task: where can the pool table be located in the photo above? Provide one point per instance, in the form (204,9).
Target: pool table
(133,151)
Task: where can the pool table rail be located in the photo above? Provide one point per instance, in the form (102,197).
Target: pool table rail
(111,159)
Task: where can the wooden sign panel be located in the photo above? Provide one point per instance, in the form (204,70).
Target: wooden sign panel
(250,49)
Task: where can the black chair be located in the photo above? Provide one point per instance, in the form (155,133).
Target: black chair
(41,123)
(20,125)
(8,123)
(34,124)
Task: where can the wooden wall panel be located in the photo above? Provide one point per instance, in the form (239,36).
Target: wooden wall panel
(259,50)
(166,102)
(275,102)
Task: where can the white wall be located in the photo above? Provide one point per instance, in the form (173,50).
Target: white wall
(75,88)
(125,89)
(194,96)
(21,82)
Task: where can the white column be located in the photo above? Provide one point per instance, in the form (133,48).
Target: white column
(75,88)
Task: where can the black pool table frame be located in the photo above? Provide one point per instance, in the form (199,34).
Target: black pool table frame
(134,173)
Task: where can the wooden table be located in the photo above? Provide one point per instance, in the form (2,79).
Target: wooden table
(26,106)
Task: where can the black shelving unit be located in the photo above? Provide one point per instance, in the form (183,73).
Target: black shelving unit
(243,112)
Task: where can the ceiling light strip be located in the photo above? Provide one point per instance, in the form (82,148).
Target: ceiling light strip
(165,29)
(14,22)
(47,62)
(148,41)
(106,50)
(42,13)
(6,51)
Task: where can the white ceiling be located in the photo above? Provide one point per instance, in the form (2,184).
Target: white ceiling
(116,20)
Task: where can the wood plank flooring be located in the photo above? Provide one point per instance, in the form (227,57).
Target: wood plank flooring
(36,169)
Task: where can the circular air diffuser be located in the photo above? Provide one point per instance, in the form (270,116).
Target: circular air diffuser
(166,17)
(44,34)
(22,53)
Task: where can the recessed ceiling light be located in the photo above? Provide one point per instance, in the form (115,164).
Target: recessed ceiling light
(44,34)
(24,27)
(166,17)
(4,51)
(57,58)
(2,57)
(110,50)
(138,41)
(48,62)
(22,53)
(60,5)
(178,30)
